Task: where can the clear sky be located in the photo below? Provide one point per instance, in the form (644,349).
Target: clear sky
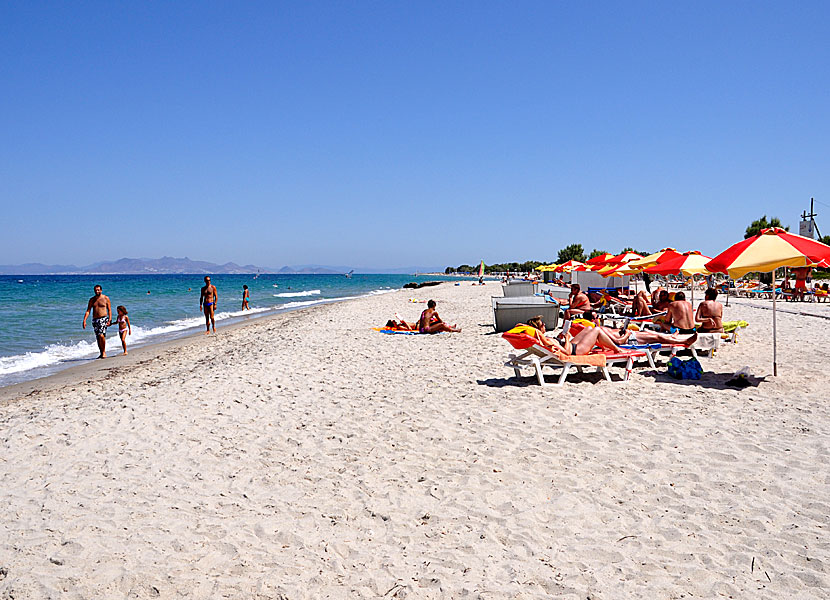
(390,133)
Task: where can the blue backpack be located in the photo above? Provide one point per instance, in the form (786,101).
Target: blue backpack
(685,369)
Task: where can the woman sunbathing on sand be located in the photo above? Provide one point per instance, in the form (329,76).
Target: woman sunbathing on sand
(430,322)
(401,325)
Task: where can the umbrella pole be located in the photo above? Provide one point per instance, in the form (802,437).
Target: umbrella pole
(774,347)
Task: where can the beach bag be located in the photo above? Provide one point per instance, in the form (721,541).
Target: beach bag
(685,369)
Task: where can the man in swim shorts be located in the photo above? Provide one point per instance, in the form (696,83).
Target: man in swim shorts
(101,317)
(207,304)
(680,316)
(578,303)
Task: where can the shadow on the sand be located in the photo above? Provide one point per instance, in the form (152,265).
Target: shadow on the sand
(716,381)
(713,381)
(531,381)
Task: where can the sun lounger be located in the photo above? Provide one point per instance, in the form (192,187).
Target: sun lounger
(653,350)
(537,356)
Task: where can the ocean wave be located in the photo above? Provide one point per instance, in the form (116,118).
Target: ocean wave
(54,354)
(51,355)
(298,294)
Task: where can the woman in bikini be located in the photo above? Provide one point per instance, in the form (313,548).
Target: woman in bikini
(582,343)
(430,322)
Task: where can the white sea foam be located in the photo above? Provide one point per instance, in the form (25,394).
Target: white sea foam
(298,294)
(51,355)
(54,354)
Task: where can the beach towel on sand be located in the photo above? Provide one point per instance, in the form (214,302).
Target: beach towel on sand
(392,330)
(730,326)
(402,331)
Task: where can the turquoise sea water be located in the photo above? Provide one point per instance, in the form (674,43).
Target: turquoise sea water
(41,315)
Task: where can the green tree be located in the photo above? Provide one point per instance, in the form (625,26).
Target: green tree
(825,239)
(640,252)
(595,253)
(762,223)
(571,252)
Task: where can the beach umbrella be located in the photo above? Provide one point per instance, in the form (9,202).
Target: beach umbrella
(629,269)
(600,260)
(607,269)
(610,270)
(587,267)
(625,257)
(654,259)
(769,250)
(688,264)
(569,266)
(544,268)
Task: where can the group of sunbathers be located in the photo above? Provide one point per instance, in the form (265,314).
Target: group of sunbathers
(429,322)
(596,335)
(674,314)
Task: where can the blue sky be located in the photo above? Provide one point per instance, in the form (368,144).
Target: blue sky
(389,134)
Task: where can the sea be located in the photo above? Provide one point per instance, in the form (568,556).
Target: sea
(41,315)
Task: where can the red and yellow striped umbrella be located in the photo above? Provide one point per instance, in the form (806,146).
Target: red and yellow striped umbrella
(610,270)
(654,259)
(625,257)
(569,266)
(587,267)
(767,251)
(600,260)
(690,263)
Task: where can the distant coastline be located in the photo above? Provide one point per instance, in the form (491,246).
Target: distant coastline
(168,265)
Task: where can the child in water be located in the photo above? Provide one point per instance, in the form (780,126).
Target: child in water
(124,328)
(245,297)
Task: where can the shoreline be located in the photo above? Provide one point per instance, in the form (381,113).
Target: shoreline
(113,341)
(150,350)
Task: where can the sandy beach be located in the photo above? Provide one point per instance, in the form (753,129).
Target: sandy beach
(306,456)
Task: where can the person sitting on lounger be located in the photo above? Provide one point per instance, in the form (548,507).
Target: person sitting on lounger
(663,301)
(640,337)
(680,317)
(582,343)
(710,313)
(640,306)
(578,302)
(655,295)
(430,322)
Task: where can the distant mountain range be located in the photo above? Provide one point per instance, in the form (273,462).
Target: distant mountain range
(168,265)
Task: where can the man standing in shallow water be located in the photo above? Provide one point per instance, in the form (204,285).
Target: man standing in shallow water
(101,317)
(207,303)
